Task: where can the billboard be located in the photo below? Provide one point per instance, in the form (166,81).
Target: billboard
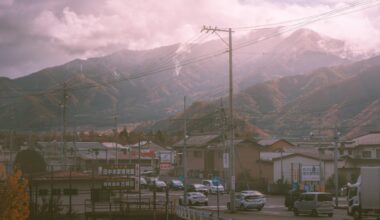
(310,173)
(166,157)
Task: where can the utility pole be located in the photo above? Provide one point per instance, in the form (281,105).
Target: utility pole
(336,167)
(139,170)
(64,122)
(225,149)
(184,154)
(115,140)
(231,121)
(11,138)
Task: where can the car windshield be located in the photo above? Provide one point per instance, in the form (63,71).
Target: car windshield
(250,197)
(198,186)
(324,197)
(177,182)
(196,194)
(252,192)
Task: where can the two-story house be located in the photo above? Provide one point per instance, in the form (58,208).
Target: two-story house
(359,152)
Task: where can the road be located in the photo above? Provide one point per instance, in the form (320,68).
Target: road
(274,208)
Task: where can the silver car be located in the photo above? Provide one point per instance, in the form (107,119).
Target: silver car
(194,198)
(249,201)
(314,203)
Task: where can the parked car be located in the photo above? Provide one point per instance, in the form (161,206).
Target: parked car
(159,184)
(143,183)
(314,203)
(251,192)
(213,188)
(198,188)
(194,198)
(249,201)
(176,185)
(292,196)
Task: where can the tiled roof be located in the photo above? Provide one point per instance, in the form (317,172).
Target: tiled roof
(197,141)
(269,142)
(368,139)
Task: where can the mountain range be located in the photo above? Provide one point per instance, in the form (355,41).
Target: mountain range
(149,85)
(344,98)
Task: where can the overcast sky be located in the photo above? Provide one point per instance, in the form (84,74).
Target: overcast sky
(42,33)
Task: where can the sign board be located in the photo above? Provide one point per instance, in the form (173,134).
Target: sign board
(216,180)
(226,161)
(165,156)
(165,166)
(125,170)
(119,184)
(310,173)
(182,178)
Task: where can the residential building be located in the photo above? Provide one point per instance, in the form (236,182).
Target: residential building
(358,152)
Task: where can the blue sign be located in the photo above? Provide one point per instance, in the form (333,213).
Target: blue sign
(216,180)
(294,186)
(182,178)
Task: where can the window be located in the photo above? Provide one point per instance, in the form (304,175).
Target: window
(377,153)
(324,197)
(349,152)
(56,192)
(197,154)
(308,197)
(366,154)
(43,192)
(70,192)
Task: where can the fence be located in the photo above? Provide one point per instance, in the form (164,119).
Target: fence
(194,214)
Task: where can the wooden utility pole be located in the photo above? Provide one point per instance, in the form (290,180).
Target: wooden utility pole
(64,123)
(184,154)
(231,158)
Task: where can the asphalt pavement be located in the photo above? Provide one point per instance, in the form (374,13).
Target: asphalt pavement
(273,209)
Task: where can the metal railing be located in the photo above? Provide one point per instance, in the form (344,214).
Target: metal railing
(194,214)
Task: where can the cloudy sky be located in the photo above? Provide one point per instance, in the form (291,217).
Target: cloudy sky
(42,33)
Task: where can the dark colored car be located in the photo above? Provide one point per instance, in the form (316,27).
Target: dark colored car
(292,196)
(176,185)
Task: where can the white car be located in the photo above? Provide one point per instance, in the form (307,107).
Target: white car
(249,200)
(213,188)
(194,198)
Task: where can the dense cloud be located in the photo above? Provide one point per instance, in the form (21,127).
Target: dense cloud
(44,33)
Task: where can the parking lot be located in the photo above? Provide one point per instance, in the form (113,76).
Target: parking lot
(274,208)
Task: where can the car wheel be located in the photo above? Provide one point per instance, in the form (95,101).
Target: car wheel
(290,208)
(206,203)
(260,208)
(295,212)
(356,215)
(242,207)
(330,215)
(314,213)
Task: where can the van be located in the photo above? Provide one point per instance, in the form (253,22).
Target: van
(314,203)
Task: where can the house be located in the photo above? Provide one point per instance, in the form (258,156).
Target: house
(205,159)
(358,152)
(199,154)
